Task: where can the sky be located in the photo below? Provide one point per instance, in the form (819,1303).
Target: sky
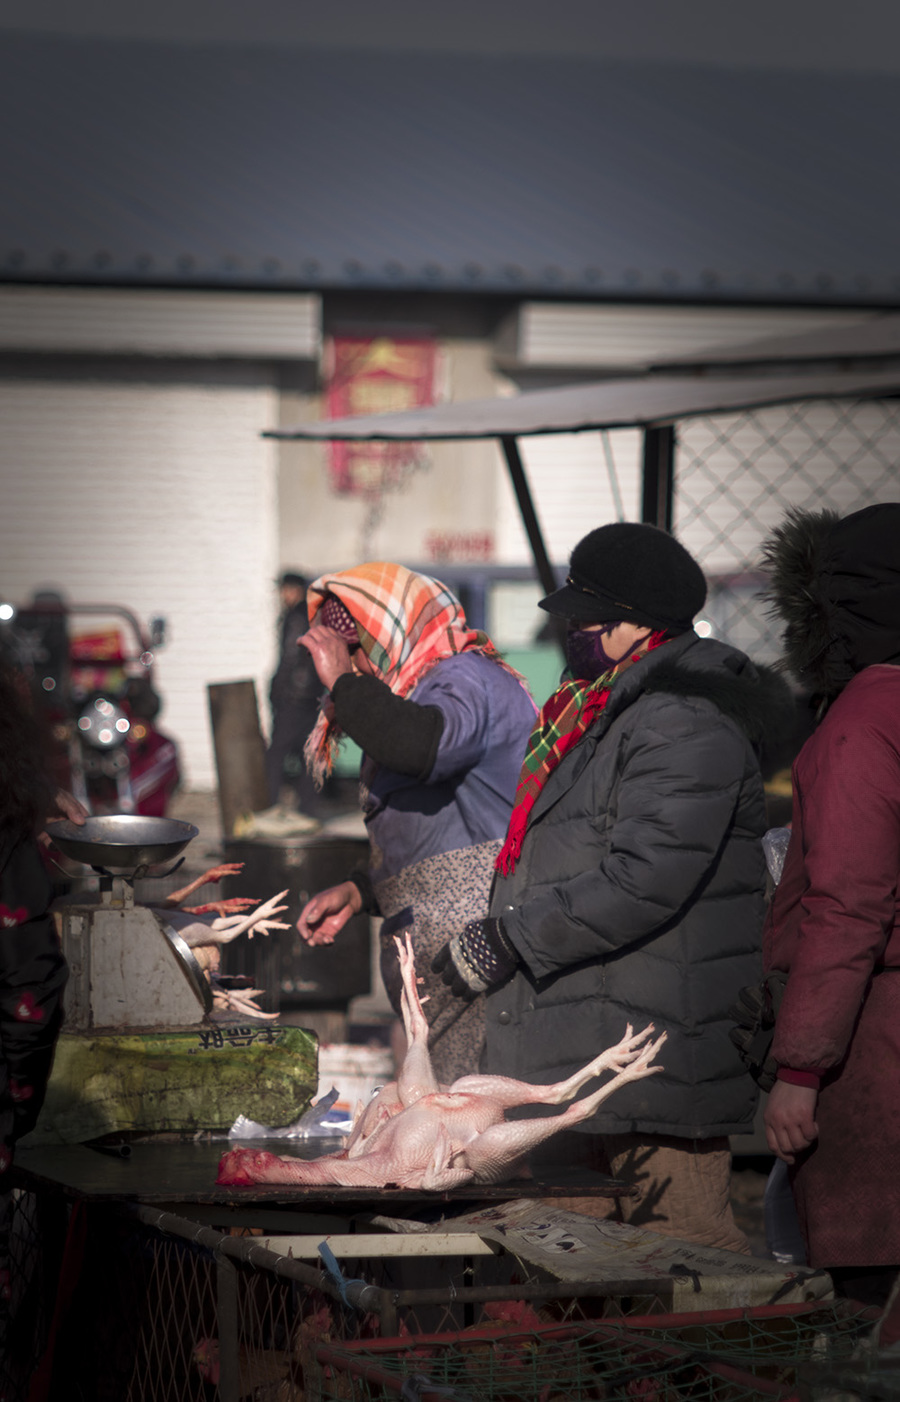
(822,35)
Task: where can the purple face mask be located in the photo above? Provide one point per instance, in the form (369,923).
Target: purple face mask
(585,653)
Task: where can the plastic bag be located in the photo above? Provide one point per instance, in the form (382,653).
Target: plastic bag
(775,845)
(784,1238)
(320,1121)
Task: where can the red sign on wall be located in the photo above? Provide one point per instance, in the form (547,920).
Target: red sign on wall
(374,375)
(459,547)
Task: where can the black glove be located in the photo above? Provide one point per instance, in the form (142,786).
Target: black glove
(472,962)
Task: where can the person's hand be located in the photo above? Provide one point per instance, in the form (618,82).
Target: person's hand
(328,912)
(791,1119)
(329,652)
(472,962)
(68,805)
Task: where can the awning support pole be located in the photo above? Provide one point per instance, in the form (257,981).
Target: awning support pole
(659,476)
(529,516)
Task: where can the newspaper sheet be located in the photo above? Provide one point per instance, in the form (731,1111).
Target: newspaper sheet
(575,1248)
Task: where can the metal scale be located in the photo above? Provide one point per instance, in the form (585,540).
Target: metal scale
(129,969)
(141,1050)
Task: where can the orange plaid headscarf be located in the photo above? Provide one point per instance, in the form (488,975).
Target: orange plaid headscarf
(406,622)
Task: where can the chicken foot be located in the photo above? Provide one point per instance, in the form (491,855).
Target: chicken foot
(196,931)
(259,920)
(218,873)
(241,1001)
(229,906)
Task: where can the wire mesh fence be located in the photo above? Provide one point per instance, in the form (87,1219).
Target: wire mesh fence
(737,474)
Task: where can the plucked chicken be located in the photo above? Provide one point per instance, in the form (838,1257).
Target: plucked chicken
(418,1134)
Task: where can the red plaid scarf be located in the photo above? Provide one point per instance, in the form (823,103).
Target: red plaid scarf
(563,721)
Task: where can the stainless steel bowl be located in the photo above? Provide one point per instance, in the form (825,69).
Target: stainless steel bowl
(122,841)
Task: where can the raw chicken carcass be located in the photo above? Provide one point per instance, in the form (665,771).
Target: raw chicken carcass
(417,1134)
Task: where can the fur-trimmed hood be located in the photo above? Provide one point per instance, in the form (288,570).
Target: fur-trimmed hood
(836,584)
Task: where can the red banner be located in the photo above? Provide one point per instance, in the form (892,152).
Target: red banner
(374,375)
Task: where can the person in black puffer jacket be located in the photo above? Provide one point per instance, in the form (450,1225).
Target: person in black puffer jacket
(631,885)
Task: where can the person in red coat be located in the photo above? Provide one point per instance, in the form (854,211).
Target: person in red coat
(834,923)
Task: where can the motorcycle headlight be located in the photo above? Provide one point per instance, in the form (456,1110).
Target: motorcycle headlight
(103,724)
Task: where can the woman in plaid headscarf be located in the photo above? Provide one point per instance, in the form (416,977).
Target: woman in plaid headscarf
(442,723)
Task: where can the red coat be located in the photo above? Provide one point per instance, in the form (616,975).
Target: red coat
(834,925)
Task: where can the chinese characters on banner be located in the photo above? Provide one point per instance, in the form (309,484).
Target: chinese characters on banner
(374,375)
(459,547)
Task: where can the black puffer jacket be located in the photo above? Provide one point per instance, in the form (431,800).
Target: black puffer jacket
(638,896)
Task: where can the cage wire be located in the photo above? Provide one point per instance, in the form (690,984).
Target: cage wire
(741,1356)
(169,1310)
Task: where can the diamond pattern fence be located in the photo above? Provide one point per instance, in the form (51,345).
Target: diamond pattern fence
(32,1231)
(737,474)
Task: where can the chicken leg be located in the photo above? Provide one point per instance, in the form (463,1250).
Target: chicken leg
(492,1156)
(416,1076)
(510,1092)
(175,898)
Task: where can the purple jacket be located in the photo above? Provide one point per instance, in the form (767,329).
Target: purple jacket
(467,796)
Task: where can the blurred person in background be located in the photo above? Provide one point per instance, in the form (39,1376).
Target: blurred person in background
(834,921)
(631,884)
(442,722)
(294,698)
(32,968)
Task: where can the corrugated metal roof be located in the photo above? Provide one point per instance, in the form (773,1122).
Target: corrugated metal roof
(655,399)
(185,165)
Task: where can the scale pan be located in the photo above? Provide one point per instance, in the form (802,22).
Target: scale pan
(123,841)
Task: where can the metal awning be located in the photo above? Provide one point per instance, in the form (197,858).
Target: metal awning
(877,336)
(654,402)
(649,401)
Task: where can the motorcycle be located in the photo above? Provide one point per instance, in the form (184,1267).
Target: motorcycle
(89,669)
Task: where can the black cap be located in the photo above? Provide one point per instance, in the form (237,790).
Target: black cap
(631,572)
(292,577)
